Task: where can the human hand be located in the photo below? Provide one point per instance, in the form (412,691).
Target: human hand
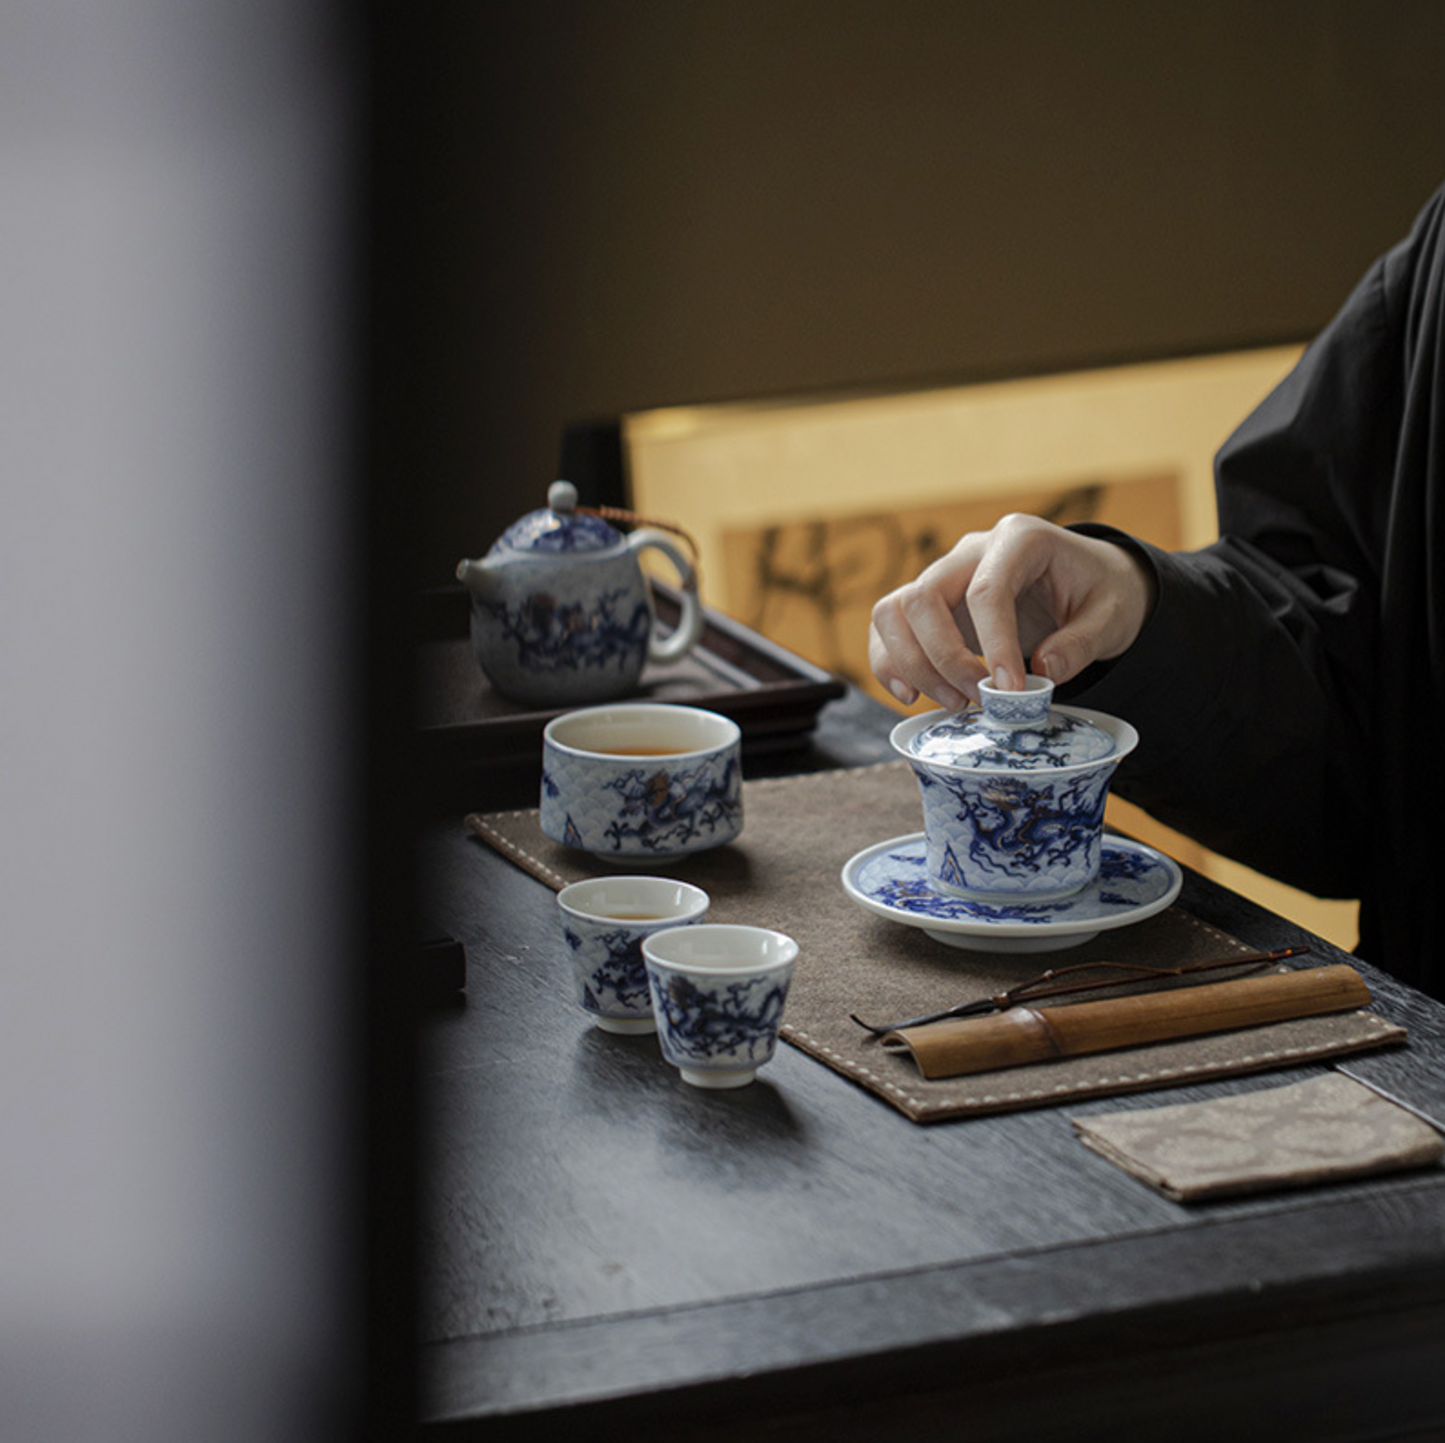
(1027,587)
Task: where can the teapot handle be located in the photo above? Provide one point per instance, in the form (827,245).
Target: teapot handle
(689,623)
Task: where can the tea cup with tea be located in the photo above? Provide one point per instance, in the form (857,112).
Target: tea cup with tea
(641,783)
(605,921)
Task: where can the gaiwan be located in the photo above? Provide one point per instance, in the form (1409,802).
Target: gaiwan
(1013,792)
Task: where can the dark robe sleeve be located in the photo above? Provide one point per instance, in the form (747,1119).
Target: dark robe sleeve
(1282,681)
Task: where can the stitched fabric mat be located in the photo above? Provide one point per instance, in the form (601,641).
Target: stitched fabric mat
(783,872)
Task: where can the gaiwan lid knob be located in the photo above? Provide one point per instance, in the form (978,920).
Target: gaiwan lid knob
(558,528)
(1013,731)
(1029,707)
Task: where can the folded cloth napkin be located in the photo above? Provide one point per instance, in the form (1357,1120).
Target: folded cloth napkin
(1325,1128)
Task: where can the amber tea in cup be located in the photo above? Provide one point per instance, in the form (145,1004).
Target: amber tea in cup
(605,921)
(641,783)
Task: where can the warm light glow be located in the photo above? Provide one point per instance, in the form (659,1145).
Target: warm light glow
(805,511)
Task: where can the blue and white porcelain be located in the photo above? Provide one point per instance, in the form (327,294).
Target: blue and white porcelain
(641,783)
(561,611)
(1013,792)
(718,993)
(892,880)
(604,923)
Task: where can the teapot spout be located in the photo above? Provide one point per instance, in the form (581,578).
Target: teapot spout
(472,574)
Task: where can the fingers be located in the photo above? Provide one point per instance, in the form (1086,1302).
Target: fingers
(915,645)
(1064,655)
(901,660)
(1106,593)
(1025,589)
(1071,647)
(880,659)
(1005,590)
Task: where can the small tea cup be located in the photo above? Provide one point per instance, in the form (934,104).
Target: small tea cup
(641,782)
(718,992)
(604,923)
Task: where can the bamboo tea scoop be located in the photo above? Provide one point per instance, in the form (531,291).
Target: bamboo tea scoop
(1022,1035)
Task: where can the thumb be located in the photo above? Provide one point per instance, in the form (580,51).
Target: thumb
(1068,651)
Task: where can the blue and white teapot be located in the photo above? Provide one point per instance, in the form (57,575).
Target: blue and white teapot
(561,611)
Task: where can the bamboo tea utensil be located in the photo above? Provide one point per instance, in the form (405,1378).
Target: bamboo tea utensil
(1023,1034)
(1080,977)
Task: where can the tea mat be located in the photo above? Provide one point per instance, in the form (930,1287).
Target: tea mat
(783,872)
(1325,1128)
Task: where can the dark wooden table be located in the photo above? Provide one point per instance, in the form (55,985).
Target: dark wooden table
(610,1253)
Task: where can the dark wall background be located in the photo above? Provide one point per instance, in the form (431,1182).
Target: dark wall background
(595,207)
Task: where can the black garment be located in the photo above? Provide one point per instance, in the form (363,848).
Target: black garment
(1290,684)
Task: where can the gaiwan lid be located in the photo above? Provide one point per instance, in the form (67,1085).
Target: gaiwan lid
(557,529)
(1016,731)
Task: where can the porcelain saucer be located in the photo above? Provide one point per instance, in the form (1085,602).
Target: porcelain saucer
(891,879)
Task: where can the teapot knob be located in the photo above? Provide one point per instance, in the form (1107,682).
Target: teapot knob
(562,496)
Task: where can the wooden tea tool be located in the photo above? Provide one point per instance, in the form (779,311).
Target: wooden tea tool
(1023,1034)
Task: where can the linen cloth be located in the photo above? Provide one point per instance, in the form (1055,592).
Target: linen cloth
(1324,1128)
(784,872)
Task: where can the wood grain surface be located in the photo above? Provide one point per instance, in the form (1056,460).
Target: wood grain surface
(606,1246)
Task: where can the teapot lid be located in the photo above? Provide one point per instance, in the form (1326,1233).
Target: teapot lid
(559,528)
(1012,731)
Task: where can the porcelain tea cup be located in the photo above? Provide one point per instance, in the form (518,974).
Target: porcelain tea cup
(718,993)
(1013,792)
(604,923)
(641,782)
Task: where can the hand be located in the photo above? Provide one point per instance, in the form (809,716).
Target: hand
(1026,587)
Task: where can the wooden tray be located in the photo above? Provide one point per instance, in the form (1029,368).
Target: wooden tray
(478,746)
